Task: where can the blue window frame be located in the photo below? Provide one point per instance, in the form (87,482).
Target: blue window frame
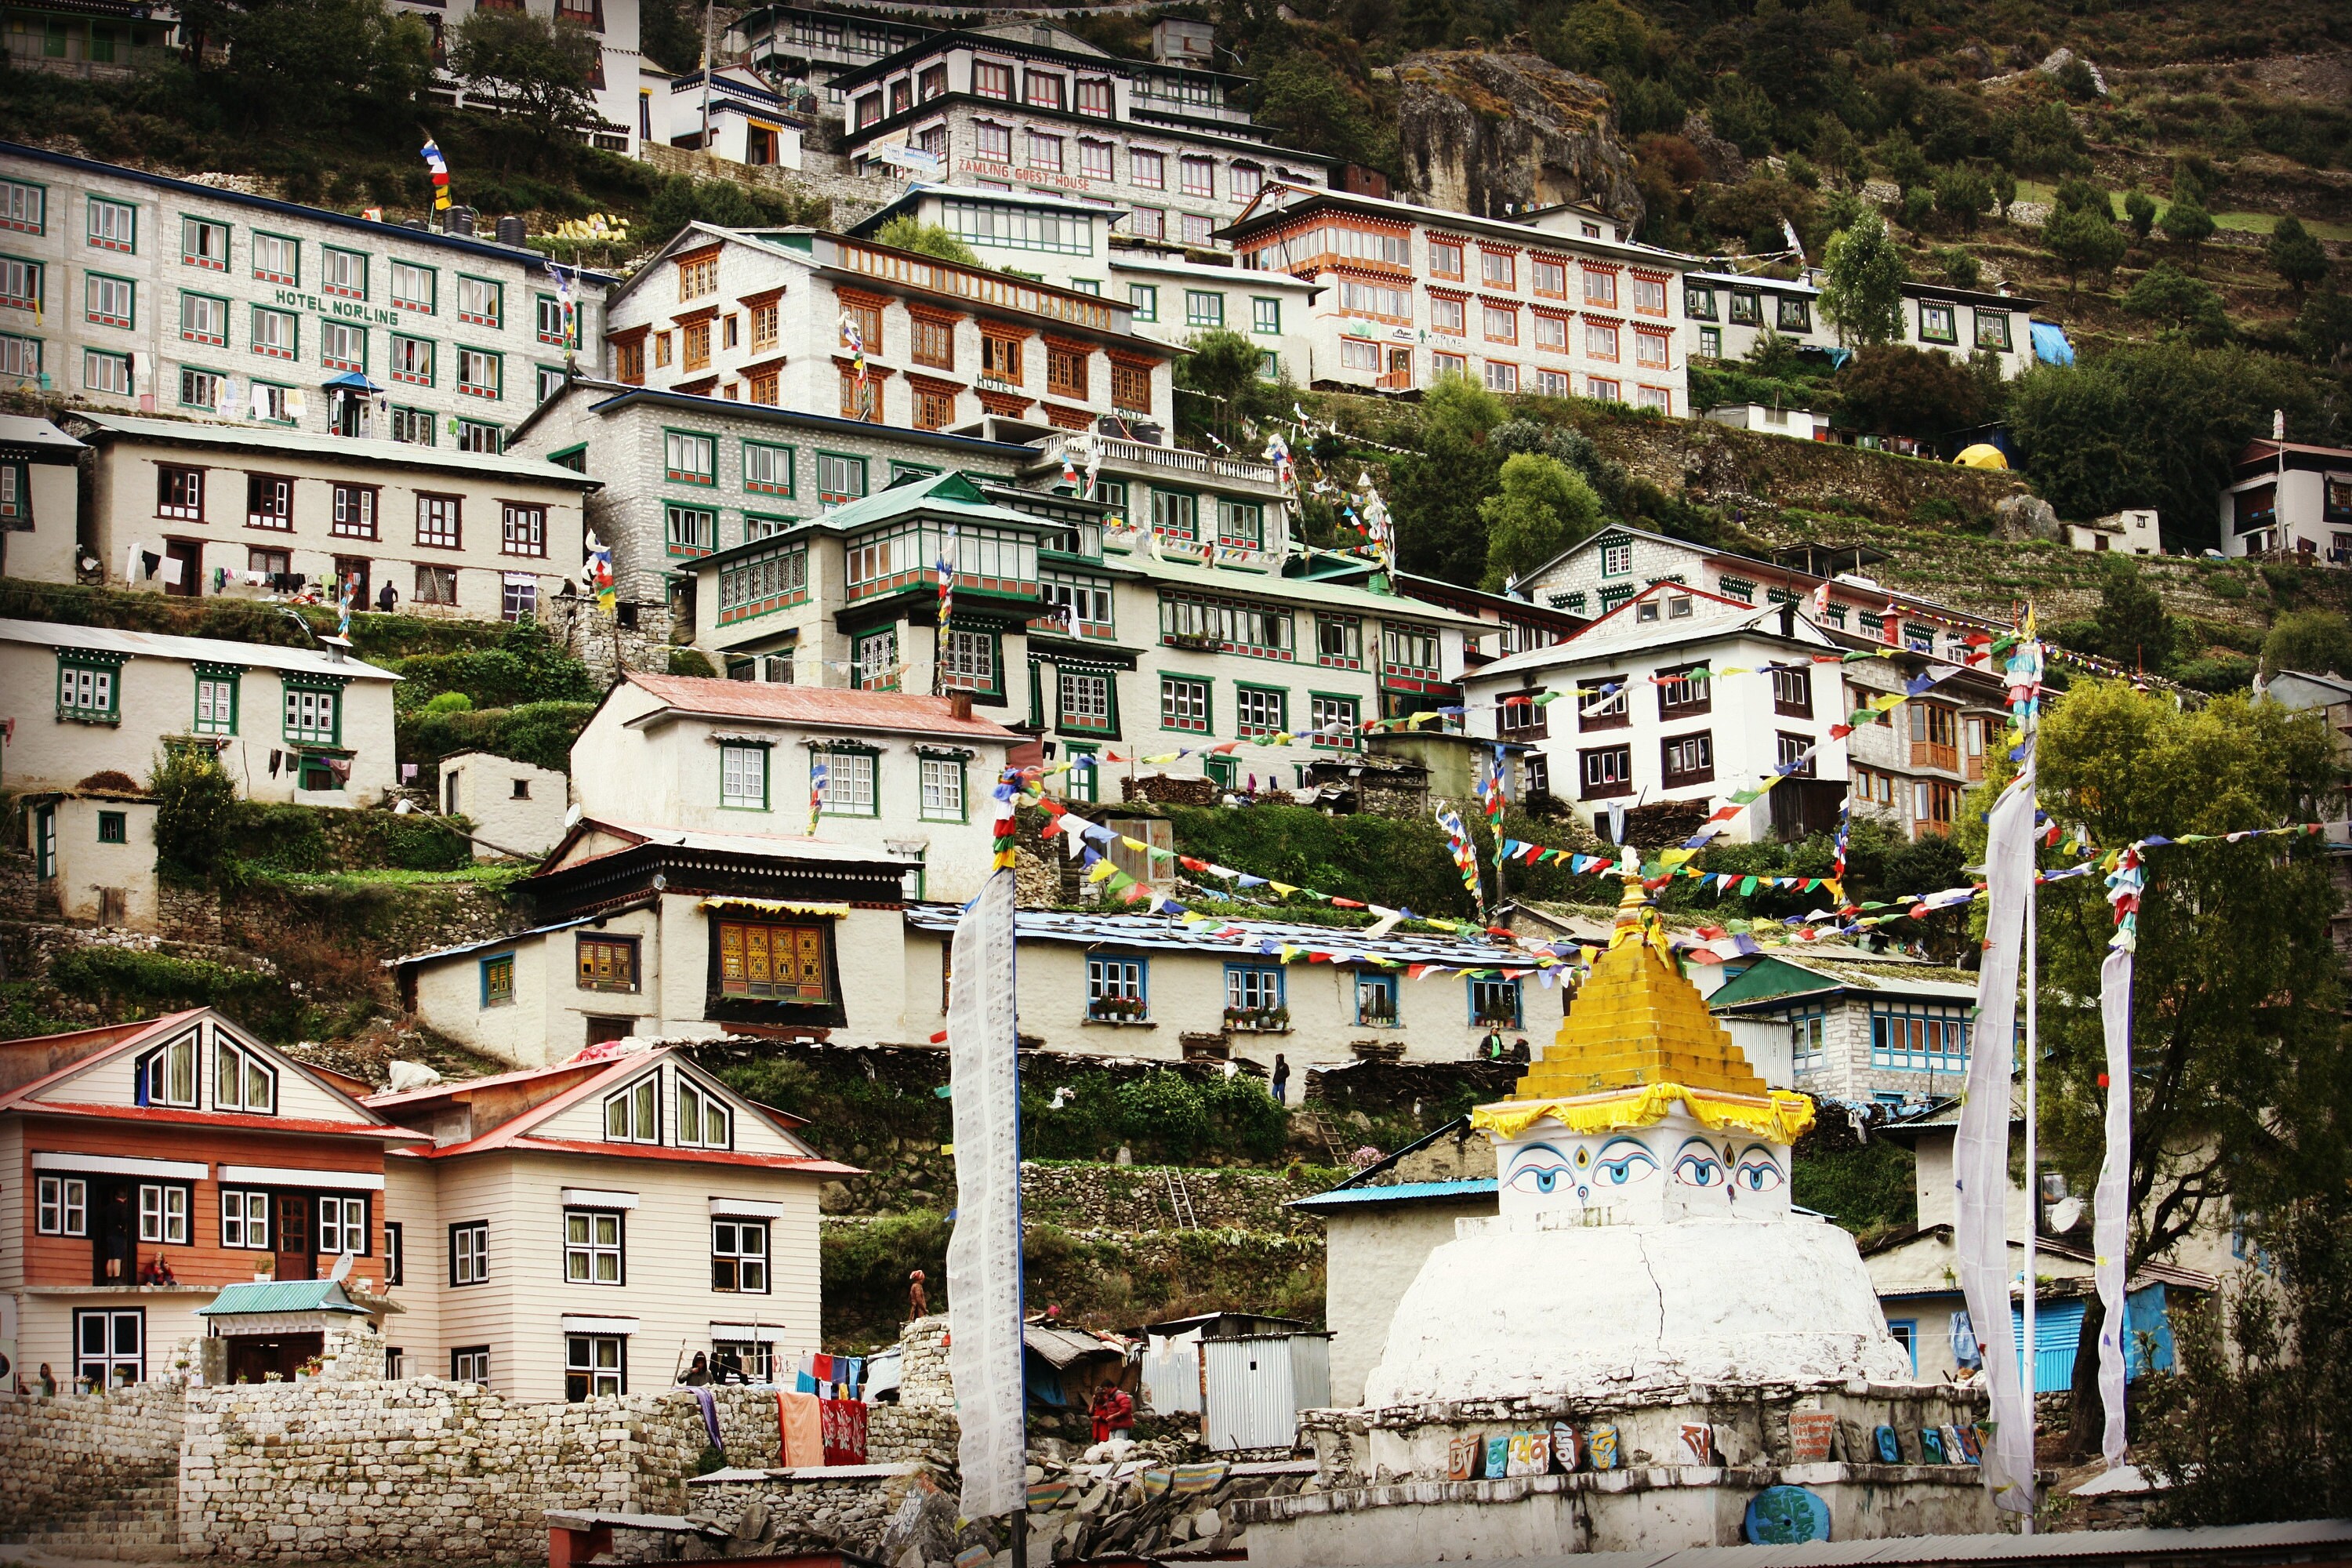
(1376,1001)
(1906,1335)
(1807,1025)
(1253,987)
(1495,1003)
(1920,1037)
(1118,988)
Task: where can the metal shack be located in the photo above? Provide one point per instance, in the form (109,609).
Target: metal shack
(1247,1375)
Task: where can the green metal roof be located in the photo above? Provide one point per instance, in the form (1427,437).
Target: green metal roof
(950,496)
(280,1296)
(1308,590)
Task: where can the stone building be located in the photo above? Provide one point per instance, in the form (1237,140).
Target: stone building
(251,512)
(1028,105)
(517,808)
(1555,301)
(128,290)
(306,725)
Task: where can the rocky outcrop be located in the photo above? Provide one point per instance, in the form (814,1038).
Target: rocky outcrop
(1725,166)
(1491,133)
(2022,517)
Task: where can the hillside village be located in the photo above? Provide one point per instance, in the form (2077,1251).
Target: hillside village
(1420,539)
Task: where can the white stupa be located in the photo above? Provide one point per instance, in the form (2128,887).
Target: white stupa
(1644,1240)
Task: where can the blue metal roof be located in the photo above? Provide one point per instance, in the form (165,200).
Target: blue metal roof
(472,246)
(280,1296)
(1402,1192)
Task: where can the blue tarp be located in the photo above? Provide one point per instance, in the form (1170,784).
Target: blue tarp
(2050,344)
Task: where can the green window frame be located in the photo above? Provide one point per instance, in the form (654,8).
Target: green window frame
(574,457)
(1325,708)
(777,460)
(1176,513)
(471,364)
(1143,302)
(853,784)
(1699,302)
(835,471)
(546,381)
(1205,309)
(546,311)
(109,372)
(485,305)
(333,256)
(962,652)
(1939,323)
(24,283)
(1271,701)
(413,360)
(1079,783)
(20,357)
(114,827)
(690,530)
(428,300)
(900,472)
(689,457)
(24,207)
(198,378)
(1266,315)
(337,339)
(104,315)
(112,225)
(194,331)
(744,768)
(89,687)
(218,696)
(306,699)
(497,979)
(1241,523)
(204,243)
(290,349)
(762,581)
(292,256)
(1992,331)
(1069,682)
(938,774)
(1180,696)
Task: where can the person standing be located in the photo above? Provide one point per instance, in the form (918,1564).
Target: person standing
(1281,1080)
(1113,1413)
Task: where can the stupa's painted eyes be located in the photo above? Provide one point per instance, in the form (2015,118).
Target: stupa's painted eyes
(1622,1162)
(1759,1171)
(1698,1165)
(1541,1168)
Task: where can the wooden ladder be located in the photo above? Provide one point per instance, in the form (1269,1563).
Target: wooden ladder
(1180,1200)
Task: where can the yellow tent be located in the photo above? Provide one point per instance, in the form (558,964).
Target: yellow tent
(1983,455)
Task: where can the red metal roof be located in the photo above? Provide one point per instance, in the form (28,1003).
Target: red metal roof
(181,1117)
(812,1164)
(825,705)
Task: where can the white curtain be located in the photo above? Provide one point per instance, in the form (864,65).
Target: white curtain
(1980,1153)
(984,1251)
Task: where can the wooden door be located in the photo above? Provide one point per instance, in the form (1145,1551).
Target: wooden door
(190,554)
(293,1237)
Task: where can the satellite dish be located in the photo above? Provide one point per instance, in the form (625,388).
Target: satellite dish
(2065,1214)
(343,1270)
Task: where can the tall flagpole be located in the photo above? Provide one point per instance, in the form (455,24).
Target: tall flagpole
(2032,1179)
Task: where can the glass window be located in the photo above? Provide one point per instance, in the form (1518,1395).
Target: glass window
(595,1366)
(277,259)
(245,1220)
(942,787)
(1495,1003)
(164,1213)
(1203,307)
(703,1120)
(1183,704)
(773,961)
(1251,989)
(411,286)
(469,1256)
(343,1226)
(342,272)
(739,1256)
(1115,991)
(1258,712)
(114,225)
(242,1080)
(743,776)
(62,1206)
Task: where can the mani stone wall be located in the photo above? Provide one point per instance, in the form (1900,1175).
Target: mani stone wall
(60,1455)
(423,1470)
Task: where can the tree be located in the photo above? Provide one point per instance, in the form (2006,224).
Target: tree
(2004,188)
(2133,628)
(2179,303)
(2139,211)
(1225,369)
(195,805)
(2081,196)
(2312,641)
(1434,493)
(908,232)
(2240,1084)
(2080,238)
(1892,389)
(322,61)
(2251,1424)
(1960,267)
(2156,424)
(1862,283)
(1962,195)
(2322,328)
(2295,256)
(534,67)
(1543,508)
(2186,222)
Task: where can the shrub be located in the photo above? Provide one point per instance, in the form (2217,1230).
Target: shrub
(127,983)
(525,666)
(450,702)
(1170,1110)
(692,662)
(195,804)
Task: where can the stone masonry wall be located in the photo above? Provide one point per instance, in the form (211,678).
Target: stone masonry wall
(60,1455)
(922,1426)
(427,1469)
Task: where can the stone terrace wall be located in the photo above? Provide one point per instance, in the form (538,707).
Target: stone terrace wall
(423,1470)
(922,1426)
(60,1455)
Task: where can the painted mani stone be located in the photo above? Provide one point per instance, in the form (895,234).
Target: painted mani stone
(1498,1455)
(1696,1445)
(1784,1516)
(1600,1442)
(1889,1446)
(1566,1449)
(1955,1452)
(1931,1445)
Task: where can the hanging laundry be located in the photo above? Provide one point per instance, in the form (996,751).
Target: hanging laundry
(338,766)
(710,1403)
(173,571)
(842,1431)
(273,757)
(149,565)
(800,1428)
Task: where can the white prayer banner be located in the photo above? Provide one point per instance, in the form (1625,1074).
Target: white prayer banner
(1980,1152)
(984,1250)
(2111,1200)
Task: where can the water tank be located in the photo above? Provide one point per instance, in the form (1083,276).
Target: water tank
(415,223)
(511,230)
(457,220)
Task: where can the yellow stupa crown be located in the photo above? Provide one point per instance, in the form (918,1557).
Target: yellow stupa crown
(1638,1039)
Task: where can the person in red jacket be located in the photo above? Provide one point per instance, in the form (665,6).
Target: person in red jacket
(1113,1412)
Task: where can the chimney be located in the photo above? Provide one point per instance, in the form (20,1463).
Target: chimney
(960,704)
(1789,618)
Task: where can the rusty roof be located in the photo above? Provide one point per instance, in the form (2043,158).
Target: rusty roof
(830,707)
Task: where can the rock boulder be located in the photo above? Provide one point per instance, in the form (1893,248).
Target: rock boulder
(1482,132)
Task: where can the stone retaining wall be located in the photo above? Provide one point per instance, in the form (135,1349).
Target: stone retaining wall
(58,1456)
(423,1470)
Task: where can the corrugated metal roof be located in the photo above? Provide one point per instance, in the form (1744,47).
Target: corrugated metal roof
(205,650)
(280,1296)
(831,706)
(1163,933)
(1618,633)
(2219,1544)
(775,845)
(37,435)
(1309,590)
(1401,1193)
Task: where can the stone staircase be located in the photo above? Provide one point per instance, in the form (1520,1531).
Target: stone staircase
(141,1524)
